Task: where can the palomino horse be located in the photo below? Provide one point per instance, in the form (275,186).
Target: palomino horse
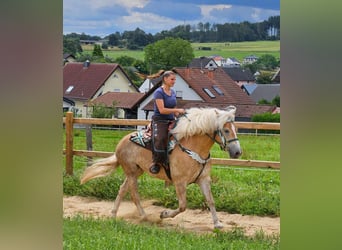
(189,161)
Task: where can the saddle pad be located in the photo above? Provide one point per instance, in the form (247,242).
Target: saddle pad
(141,138)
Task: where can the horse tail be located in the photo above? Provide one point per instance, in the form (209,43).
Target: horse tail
(100,168)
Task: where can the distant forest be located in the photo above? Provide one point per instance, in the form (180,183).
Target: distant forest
(201,33)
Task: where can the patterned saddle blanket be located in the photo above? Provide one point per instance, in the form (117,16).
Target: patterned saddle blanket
(144,139)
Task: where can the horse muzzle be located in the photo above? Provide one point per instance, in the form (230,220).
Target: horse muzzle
(234,149)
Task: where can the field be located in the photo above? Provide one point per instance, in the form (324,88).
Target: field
(239,50)
(246,191)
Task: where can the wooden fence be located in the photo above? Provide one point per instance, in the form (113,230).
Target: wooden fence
(69,152)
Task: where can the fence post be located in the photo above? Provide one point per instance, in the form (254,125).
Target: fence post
(69,126)
(89,138)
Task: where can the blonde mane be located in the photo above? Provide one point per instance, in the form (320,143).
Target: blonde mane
(199,121)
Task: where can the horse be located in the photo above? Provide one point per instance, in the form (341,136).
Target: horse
(189,161)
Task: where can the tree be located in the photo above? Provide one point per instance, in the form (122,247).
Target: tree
(168,53)
(276,101)
(267,62)
(97,52)
(102,111)
(71,45)
(264,78)
(125,60)
(113,39)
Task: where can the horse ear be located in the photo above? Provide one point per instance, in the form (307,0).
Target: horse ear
(231,108)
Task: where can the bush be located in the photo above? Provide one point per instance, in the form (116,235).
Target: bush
(267,117)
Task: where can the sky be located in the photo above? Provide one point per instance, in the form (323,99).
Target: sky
(105,17)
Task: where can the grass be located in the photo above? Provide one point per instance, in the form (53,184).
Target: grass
(239,50)
(236,190)
(246,191)
(81,233)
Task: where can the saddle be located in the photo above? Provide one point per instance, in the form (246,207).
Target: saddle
(143,138)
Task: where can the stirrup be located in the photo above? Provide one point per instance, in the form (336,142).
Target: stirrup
(155,168)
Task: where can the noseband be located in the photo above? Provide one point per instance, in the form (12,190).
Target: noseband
(224,144)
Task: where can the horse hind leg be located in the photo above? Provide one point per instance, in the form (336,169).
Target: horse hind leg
(122,191)
(206,191)
(133,184)
(181,194)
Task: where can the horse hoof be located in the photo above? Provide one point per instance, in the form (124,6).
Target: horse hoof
(218,225)
(163,214)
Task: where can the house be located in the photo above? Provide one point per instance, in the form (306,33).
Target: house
(99,42)
(231,62)
(83,82)
(196,87)
(67,57)
(249,88)
(249,59)
(276,77)
(125,102)
(240,75)
(150,80)
(203,63)
(68,105)
(265,91)
(219,60)
(148,84)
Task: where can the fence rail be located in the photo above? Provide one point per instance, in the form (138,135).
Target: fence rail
(69,152)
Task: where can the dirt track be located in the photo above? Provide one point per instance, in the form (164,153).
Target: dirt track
(191,220)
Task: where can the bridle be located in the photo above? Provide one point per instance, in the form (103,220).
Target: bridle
(224,144)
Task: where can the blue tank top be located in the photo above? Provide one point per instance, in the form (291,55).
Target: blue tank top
(169,102)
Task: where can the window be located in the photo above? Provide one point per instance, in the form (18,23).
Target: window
(209,93)
(218,90)
(69,89)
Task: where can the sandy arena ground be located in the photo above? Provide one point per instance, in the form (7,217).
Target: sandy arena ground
(192,220)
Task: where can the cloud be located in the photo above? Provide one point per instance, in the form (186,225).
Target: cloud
(104,17)
(235,14)
(172,10)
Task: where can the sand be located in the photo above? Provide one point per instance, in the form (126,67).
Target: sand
(198,221)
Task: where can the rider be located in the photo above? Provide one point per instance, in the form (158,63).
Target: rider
(164,113)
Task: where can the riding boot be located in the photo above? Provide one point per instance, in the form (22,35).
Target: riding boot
(159,145)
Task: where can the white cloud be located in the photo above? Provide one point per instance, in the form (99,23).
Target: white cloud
(207,9)
(104,17)
(148,21)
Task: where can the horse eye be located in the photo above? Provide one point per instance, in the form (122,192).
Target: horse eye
(226,131)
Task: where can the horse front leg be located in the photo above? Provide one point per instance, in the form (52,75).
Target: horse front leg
(181,194)
(206,190)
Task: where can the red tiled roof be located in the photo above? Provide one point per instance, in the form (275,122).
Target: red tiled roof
(242,110)
(199,79)
(86,80)
(126,100)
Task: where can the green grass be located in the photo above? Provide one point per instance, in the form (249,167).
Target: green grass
(235,189)
(246,191)
(81,233)
(239,50)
